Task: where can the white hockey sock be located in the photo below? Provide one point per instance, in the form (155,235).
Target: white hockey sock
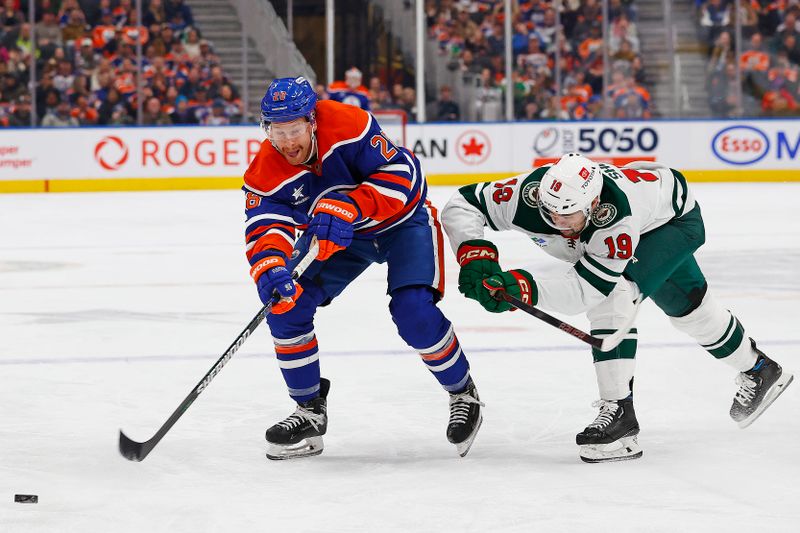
(614,377)
(719,332)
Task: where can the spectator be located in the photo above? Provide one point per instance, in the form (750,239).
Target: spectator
(446,110)
(155,14)
(85,58)
(60,117)
(178,7)
(622,30)
(64,77)
(217,116)
(714,16)
(233,105)
(20,116)
(408,103)
(86,115)
(778,100)
(182,113)
(75,28)
(216,81)
(192,44)
(10,17)
(12,88)
(722,91)
(47,30)
(152,115)
(350,91)
(722,53)
(113,111)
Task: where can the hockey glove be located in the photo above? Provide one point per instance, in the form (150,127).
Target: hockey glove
(478,259)
(518,283)
(275,284)
(332,222)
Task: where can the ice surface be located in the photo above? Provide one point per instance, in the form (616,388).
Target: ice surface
(113,306)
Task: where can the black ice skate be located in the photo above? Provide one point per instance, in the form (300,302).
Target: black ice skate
(300,434)
(612,435)
(758,388)
(465,418)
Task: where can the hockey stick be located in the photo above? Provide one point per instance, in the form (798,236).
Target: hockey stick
(604,345)
(137,451)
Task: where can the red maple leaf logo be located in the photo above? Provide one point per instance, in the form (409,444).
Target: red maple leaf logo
(473,148)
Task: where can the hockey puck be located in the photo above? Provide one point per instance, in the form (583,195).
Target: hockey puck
(26,498)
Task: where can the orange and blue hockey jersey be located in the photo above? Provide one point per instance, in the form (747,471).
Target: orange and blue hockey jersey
(354,157)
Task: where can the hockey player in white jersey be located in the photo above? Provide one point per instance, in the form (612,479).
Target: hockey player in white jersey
(630,233)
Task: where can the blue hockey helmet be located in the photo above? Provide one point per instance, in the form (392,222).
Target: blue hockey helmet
(288,99)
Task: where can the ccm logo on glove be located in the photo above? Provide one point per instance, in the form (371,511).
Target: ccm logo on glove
(477,253)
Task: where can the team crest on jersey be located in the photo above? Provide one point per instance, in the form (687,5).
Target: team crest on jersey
(604,215)
(530,195)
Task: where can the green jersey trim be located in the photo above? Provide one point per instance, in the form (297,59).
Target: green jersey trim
(468,192)
(603,270)
(484,208)
(679,180)
(602,285)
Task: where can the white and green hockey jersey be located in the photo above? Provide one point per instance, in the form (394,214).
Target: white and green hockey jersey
(635,199)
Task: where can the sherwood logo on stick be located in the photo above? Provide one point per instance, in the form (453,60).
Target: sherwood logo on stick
(214,371)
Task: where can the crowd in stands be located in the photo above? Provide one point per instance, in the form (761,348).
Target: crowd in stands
(770,32)
(470,34)
(86,65)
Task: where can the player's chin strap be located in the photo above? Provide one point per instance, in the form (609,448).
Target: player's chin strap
(604,345)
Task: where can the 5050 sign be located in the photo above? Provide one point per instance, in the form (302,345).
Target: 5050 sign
(593,140)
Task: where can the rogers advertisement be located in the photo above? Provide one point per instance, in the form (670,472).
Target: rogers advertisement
(128,153)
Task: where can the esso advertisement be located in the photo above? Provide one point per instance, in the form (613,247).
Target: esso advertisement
(746,144)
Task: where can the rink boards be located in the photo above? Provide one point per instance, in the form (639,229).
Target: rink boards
(170,158)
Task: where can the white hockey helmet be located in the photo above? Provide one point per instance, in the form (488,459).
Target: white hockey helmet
(569,186)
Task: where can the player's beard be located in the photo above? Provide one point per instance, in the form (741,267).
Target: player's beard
(300,155)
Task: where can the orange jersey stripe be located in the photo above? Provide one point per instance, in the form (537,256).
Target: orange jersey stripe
(403,212)
(439,245)
(373,204)
(296,349)
(441,354)
(392,178)
(260,229)
(275,242)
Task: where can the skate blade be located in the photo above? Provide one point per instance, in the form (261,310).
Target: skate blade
(776,390)
(624,449)
(305,448)
(463,447)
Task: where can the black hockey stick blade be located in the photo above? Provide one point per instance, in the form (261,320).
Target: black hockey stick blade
(132,450)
